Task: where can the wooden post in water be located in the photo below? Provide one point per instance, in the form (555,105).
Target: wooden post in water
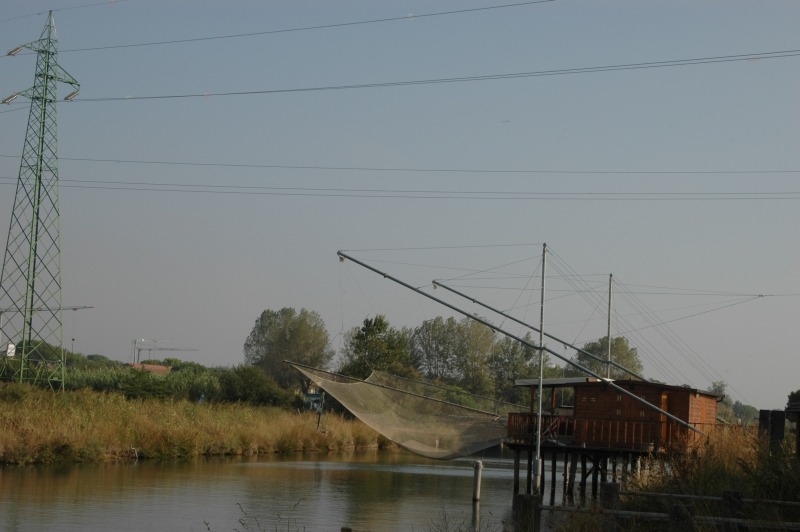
(573,472)
(603,469)
(553,463)
(614,468)
(529,485)
(595,472)
(582,485)
(476,481)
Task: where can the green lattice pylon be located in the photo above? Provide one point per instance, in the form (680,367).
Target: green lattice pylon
(31,331)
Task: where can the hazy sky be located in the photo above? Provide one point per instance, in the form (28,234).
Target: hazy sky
(187,207)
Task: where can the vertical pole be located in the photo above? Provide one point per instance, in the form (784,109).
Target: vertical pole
(608,363)
(476,494)
(582,484)
(476,481)
(516,471)
(573,471)
(538,481)
(553,463)
(529,483)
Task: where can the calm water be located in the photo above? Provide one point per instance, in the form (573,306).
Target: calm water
(366,491)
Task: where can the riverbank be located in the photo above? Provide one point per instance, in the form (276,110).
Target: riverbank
(39,427)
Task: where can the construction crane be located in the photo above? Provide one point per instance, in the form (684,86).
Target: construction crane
(143,344)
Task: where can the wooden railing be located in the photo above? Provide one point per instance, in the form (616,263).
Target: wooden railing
(620,433)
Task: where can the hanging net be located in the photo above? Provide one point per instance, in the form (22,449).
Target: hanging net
(426,419)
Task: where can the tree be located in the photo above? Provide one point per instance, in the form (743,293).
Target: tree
(745,414)
(794,397)
(794,400)
(725,406)
(433,348)
(375,346)
(621,353)
(474,348)
(286,334)
(249,384)
(512,360)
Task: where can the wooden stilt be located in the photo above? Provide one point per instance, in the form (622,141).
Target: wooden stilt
(553,464)
(582,485)
(529,488)
(603,469)
(614,469)
(573,471)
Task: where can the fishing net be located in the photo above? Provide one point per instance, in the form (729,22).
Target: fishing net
(427,419)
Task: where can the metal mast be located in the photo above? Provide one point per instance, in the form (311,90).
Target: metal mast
(30,282)
(608,363)
(538,474)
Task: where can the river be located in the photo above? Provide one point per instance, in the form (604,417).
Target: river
(372,490)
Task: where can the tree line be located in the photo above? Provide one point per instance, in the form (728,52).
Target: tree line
(463,353)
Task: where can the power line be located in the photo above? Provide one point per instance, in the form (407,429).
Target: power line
(40,13)
(278,31)
(418,194)
(487,77)
(422,169)
(309,28)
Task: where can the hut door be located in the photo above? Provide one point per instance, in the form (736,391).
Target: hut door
(664,420)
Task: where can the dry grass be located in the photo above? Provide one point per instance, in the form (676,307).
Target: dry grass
(730,459)
(39,426)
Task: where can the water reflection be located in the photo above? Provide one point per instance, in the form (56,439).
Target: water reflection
(366,491)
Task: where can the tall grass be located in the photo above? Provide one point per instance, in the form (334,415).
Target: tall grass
(730,459)
(39,426)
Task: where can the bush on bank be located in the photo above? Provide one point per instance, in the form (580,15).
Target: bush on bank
(39,426)
(186,380)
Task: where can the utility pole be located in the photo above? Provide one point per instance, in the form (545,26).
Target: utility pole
(538,464)
(30,282)
(608,334)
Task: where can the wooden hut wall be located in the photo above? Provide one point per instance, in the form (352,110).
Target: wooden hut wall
(605,417)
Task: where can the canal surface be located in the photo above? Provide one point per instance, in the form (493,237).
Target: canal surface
(376,490)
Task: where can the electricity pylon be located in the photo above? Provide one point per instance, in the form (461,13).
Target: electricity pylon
(30,282)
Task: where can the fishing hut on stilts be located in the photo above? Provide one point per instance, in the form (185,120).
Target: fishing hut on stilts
(606,432)
(611,426)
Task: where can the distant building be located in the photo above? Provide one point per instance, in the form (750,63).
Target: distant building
(151,368)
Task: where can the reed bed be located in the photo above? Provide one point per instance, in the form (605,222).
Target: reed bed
(730,459)
(39,426)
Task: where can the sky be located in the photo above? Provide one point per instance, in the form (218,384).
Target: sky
(221,153)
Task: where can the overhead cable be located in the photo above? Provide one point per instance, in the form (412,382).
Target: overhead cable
(487,77)
(422,169)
